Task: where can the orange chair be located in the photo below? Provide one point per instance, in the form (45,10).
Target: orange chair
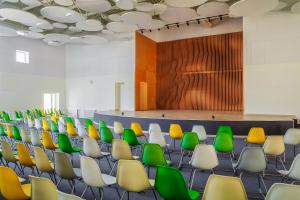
(175,132)
(93,133)
(256,135)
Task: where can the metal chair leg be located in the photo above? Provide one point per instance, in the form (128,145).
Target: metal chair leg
(84,191)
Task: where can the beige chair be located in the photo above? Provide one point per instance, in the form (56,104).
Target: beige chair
(120,150)
(292,137)
(294,171)
(24,135)
(92,176)
(43,164)
(281,191)
(132,177)
(224,188)
(274,147)
(64,169)
(9,156)
(45,189)
(118,128)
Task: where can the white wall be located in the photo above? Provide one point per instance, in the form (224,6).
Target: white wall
(91,73)
(22,85)
(272,64)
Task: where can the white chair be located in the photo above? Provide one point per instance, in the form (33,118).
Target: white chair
(292,137)
(24,135)
(201,132)
(294,171)
(280,191)
(62,120)
(30,123)
(37,124)
(77,122)
(204,158)
(154,127)
(159,138)
(92,149)
(81,131)
(118,128)
(61,127)
(35,138)
(92,176)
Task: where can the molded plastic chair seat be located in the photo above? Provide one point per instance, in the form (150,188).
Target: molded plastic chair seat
(106,135)
(48,142)
(65,144)
(274,146)
(81,131)
(88,122)
(46,125)
(188,143)
(71,130)
(24,156)
(93,133)
(175,131)
(293,172)
(130,138)
(201,132)
(16,133)
(256,135)
(153,156)
(137,129)
(157,138)
(118,128)
(35,138)
(154,127)
(292,137)
(53,126)
(24,135)
(226,130)
(280,191)
(223,143)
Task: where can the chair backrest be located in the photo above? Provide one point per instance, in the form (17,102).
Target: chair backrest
(204,157)
(256,135)
(223,143)
(175,131)
(30,122)
(61,127)
(71,129)
(91,147)
(63,166)
(64,143)
(2,130)
(88,122)
(91,173)
(47,140)
(294,171)
(7,152)
(157,138)
(41,160)
(24,155)
(118,127)
(9,131)
(131,176)
(70,120)
(274,145)
(137,128)
(16,132)
(224,187)
(154,127)
(201,132)
(280,191)
(24,135)
(292,136)
(106,135)
(170,184)
(225,129)
(93,133)
(81,131)
(153,155)
(35,138)
(10,184)
(53,126)
(77,122)
(120,150)
(37,123)
(43,188)
(252,159)
(189,141)
(61,120)
(46,125)
(130,137)
(101,124)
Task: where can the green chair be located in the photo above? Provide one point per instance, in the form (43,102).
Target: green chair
(65,145)
(2,131)
(223,143)
(70,120)
(16,133)
(53,126)
(106,137)
(102,124)
(188,143)
(130,138)
(153,156)
(225,130)
(88,122)
(170,185)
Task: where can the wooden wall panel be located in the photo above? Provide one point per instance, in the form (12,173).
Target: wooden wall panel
(203,73)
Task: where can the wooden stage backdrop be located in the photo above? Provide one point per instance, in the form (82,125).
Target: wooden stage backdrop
(204,73)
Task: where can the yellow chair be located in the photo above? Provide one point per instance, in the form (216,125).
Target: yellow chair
(137,128)
(46,125)
(71,130)
(11,187)
(274,146)
(175,132)
(256,135)
(43,164)
(93,133)
(54,118)
(225,188)
(25,159)
(48,142)
(9,131)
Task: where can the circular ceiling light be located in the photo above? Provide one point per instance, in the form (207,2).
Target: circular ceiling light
(121,27)
(93,5)
(213,9)
(61,14)
(177,15)
(185,3)
(89,25)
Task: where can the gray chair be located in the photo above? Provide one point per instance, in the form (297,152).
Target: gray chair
(281,191)
(292,137)
(252,160)
(294,171)
(201,132)
(64,169)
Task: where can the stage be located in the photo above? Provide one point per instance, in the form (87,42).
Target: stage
(240,123)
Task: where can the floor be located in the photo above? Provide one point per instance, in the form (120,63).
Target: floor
(250,181)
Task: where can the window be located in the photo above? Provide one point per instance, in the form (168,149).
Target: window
(22,56)
(51,100)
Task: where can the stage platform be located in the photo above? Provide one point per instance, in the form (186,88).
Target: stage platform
(241,123)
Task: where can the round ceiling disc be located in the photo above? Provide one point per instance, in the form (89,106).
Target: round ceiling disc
(296,8)
(64,2)
(74,29)
(159,8)
(93,39)
(126,4)
(7,31)
(19,16)
(31,2)
(107,32)
(213,9)
(185,3)
(114,17)
(135,17)
(61,14)
(54,43)
(145,7)
(90,25)
(11,1)
(251,7)
(177,15)
(43,24)
(59,25)
(121,27)
(153,24)
(56,37)
(36,29)
(94,5)
(280,6)
(30,34)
